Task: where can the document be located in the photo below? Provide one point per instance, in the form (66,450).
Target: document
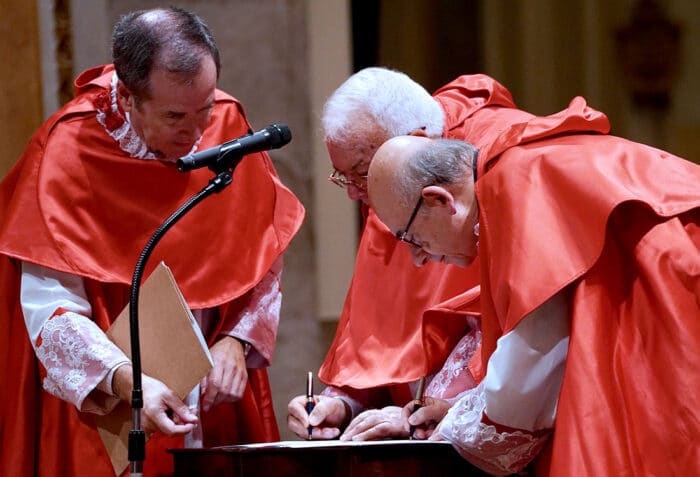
(305,444)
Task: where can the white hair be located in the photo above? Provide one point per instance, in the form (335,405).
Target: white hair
(384,101)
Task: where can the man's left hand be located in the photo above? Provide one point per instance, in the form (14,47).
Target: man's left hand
(227,380)
(376,424)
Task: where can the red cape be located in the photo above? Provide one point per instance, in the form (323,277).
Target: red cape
(381,338)
(631,392)
(90,212)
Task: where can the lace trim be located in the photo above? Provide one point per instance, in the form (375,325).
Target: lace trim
(454,377)
(258,321)
(499,453)
(76,356)
(118,125)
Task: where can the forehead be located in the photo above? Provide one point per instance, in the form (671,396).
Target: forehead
(346,159)
(176,92)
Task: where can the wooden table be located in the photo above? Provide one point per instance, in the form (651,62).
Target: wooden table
(324,459)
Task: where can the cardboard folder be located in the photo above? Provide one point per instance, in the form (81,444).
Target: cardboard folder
(173,351)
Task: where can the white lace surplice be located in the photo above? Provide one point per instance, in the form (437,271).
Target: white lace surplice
(75,353)
(520,393)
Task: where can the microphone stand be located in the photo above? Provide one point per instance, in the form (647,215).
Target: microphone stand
(137,437)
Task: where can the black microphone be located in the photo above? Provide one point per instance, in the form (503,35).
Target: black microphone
(272,137)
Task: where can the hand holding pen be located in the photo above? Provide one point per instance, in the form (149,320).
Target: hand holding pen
(327,417)
(417,404)
(424,415)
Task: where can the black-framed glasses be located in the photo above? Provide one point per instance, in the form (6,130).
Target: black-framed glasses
(401,234)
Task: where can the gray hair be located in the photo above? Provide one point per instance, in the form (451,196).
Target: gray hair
(379,98)
(441,162)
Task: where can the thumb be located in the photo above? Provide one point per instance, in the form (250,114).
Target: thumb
(181,411)
(321,411)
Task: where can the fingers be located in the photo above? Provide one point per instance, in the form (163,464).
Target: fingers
(327,415)
(426,418)
(326,411)
(300,427)
(297,419)
(376,424)
(160,403)
(227,380)
(161,422)
(433,412)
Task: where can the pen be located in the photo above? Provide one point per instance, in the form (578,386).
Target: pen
(417,403)
(309,396)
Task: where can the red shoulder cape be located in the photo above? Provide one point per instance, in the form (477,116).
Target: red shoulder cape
(629,247)
(381,337)
(379,340)
(75,202)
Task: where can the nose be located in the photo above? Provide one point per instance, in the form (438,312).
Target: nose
(193,130)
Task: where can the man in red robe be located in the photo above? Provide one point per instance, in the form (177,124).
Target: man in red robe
(94,184)
(381,347)
(589,247)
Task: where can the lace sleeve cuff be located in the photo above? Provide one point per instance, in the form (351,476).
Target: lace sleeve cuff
(495,450)
(77,356)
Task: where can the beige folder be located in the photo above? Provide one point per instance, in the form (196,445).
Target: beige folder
(173,351)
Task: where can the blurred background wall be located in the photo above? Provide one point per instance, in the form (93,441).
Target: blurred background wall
(633,59)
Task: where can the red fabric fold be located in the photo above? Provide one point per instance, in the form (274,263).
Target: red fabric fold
(564,205)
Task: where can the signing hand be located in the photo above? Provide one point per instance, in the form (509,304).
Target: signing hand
(227,380)
(376,424)
(328,416)
(426,418)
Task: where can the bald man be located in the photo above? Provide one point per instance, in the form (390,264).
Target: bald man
(590,251)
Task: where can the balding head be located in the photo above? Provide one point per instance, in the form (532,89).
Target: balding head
(171,39)
(388,183)
(434,178)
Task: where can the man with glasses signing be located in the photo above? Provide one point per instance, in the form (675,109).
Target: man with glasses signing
(383,345)
(590,257)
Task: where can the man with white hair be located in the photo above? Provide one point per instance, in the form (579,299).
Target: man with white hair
(373,363)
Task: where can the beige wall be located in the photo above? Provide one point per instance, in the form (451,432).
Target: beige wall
(548,51)
(20,79)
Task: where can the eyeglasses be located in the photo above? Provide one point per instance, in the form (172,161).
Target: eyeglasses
(341,180)
(401,234)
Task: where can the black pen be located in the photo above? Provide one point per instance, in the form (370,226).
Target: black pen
(417,403)
(309,396)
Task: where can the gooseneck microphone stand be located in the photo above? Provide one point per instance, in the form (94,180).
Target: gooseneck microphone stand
(137,437)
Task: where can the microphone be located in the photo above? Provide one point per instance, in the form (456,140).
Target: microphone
(272,137)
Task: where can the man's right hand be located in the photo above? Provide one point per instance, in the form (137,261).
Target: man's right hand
(162,410)
(425,419)
(327,418)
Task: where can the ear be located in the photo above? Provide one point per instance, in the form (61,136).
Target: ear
(436,196)
(126,100)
